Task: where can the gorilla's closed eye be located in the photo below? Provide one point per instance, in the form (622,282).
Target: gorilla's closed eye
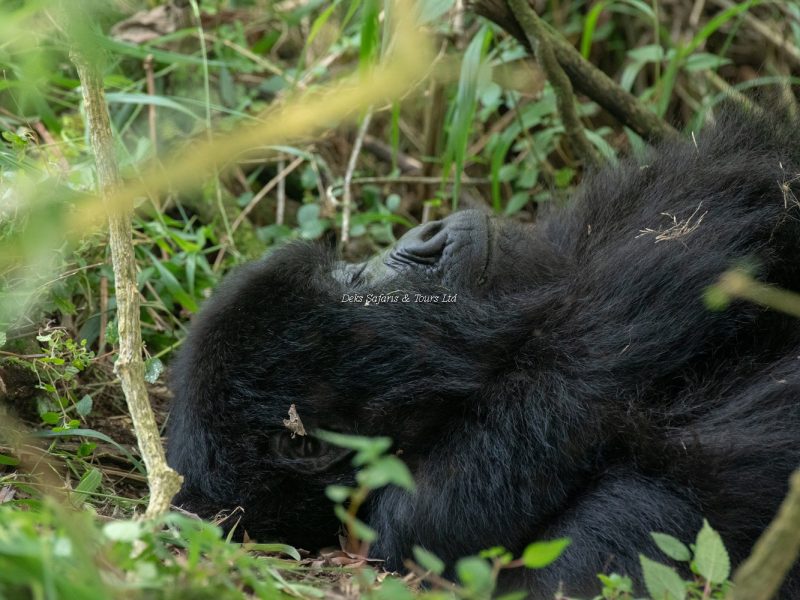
(299,446)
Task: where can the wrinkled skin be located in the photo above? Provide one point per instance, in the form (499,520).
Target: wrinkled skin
(578,386)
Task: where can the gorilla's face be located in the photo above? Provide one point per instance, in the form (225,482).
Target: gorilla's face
(283,331)
(453,252)
(465,252)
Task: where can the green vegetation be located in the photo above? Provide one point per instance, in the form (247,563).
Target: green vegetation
(241,124)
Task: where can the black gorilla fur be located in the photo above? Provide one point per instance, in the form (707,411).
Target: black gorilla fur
(579,386)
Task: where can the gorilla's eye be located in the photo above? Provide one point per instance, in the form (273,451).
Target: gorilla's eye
(299,446)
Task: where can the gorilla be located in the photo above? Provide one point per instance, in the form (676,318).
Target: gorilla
(560,379)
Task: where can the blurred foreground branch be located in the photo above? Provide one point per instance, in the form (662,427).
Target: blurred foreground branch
(761,575)
(163,481)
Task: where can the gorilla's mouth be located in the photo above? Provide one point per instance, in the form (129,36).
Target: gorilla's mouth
(453,252)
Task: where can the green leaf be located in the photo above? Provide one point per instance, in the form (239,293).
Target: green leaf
(540,554)
(307,213)
(171,283)
(430,10)
(710,556)
(50,418)
(476,575)
(274,549)
(615,583)
(153,367)
(715,298)
(392,589)
(147,99)
(84,405)
(428,560)
(645,54)
(360,529)
(672,547)
(516,203)
(384,471)
(3,338)
(91,433)
(392,203)
(564,177)
(704,60)
(661,581)
(367,449)
(338,493)
(88,485)
(473,67)
(8,460)
(123,531)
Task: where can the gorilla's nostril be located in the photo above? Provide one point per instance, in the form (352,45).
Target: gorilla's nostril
(423,245)
(429,230)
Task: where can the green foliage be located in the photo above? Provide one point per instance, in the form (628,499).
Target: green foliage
(541,554)
(710,557)
(672,547)
(428,560)
(57,301)
(53,553)
(663,582)
(56,370)
(707,559)
(377,469)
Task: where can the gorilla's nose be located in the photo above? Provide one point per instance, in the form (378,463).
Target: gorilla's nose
(422,245)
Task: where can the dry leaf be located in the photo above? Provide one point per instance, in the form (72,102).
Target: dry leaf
(293,423)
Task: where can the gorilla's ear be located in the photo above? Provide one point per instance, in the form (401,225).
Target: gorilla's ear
(307,453)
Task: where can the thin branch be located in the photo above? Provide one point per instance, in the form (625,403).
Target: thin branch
(266,190)
(347,203)
(280,206)
(162,480)
(539,41)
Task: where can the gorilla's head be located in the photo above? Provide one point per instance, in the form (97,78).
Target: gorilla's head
(562,380)
(391,346)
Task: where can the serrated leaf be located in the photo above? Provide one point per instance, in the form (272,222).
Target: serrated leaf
(540,554)
(672,547)
(428,560)
(662,582)
(710,556)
